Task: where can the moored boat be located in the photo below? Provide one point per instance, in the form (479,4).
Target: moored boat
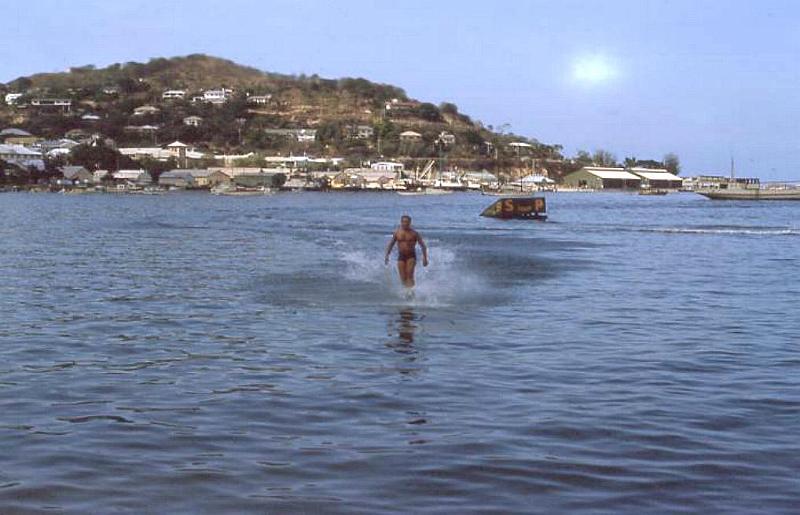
(751,189)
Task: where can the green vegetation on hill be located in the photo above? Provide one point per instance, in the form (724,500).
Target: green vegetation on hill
(334,108)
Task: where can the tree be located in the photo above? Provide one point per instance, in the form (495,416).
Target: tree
(429,112)
(278,180)
(155,167)
(448,108)
(604,158)
(672,163)
(583,158)
(96,157)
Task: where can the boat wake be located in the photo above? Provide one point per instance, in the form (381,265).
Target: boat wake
(728,230)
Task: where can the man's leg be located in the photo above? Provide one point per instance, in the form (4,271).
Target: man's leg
(401,271)
(411,263)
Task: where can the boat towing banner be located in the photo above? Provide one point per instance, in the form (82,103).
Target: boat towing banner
(527,208)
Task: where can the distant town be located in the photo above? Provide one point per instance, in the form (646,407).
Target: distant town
(202,123)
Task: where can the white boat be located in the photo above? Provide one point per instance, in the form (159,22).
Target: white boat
(425,191)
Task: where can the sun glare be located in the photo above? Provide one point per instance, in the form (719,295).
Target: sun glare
(593,70)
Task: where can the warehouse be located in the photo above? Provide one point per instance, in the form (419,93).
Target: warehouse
(658,178)
(600,178)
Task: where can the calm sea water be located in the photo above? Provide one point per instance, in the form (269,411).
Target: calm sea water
(192,353)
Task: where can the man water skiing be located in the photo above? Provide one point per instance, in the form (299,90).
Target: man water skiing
(407,240)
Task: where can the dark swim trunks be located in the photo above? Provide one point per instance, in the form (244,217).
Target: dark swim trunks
(405,256)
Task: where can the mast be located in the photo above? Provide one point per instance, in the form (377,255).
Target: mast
(733,170)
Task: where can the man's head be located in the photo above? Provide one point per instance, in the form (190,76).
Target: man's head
(405,221)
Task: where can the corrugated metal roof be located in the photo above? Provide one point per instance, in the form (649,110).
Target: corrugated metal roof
(611,173)
(656,175)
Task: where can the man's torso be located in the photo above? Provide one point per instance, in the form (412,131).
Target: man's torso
(406,241)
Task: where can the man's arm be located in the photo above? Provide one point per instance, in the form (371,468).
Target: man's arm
(424,249)
(389,247)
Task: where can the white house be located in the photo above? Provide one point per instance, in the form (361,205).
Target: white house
(259,99)
(217,96)
(306,135)
(360,132)
(387,166)
(171,94)
(51,102)
(447,138)
(18,153)
(143,110)
(410,136)
(193,121)
(11,98)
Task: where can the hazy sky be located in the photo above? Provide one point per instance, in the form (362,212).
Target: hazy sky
(704,79)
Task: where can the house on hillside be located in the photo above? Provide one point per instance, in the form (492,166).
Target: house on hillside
(360,132)
(19,154)
(76,174)
(306,135)
(602,178)
(137,153)
(59,103)
(193,121)
(397,108)
(410,137)
(174,94)
(217,96)
(56,147)
(447,139)
(14,136)
(141,129)
(146,110)
(259,99)
(301,135)
(12,98)
(520,147)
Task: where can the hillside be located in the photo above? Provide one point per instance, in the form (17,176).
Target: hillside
(261,112)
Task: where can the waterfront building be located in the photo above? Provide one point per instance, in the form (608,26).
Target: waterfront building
(603,178)
(76,174)
(388,166)
(658,178)
(132,177)
(186,178)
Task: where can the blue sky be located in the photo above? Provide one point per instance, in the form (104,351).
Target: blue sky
(704,79)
